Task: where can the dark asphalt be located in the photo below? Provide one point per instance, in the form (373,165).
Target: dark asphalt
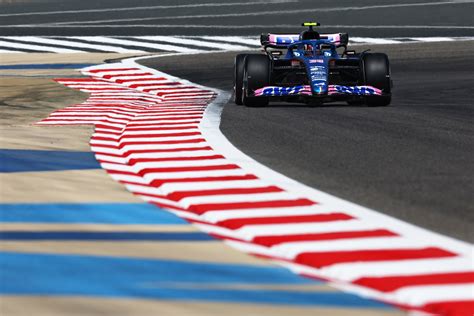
(412,160)
(370,18)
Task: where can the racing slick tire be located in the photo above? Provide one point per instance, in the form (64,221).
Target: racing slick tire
(256,75)
(376,73)
(238,77)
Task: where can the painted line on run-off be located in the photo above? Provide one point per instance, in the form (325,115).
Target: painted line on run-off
(159,136)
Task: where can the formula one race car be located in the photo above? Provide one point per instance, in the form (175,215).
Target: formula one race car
(312,68)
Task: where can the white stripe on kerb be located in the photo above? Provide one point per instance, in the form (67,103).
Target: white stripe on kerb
(217,216)
(209,185)
(292,249)
(420,295)
(166,164)
(193,174)
(237,198)
(251,231)
(355,270)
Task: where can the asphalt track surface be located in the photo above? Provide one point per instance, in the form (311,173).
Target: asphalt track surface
(411,160)
(372,18)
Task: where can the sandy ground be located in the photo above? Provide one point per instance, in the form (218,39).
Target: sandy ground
(57,306)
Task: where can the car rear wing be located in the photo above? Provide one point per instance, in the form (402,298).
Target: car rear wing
(283,40)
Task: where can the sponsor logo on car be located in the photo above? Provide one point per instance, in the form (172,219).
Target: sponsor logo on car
(315,61)
(281,91)
(355,90)
(318,76)
(317,68)
(285,39)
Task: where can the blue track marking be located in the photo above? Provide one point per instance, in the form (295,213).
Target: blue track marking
(93,213)
(63,275)
(19,160)
(44,66)
(108,236)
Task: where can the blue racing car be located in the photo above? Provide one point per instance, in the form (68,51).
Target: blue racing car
(312,68)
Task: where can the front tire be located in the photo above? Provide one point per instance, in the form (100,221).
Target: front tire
(376,73)
(256,75)
(238,77)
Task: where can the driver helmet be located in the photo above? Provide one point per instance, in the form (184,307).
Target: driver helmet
(309,35)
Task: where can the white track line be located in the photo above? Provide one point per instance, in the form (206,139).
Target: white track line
(163,47)
(72,44)
(194,42)
(156,7)
(234,39)
(39,48)
(373,40)
(268,13)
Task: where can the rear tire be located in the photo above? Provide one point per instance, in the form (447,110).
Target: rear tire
(256,76)
(238,77)
(376,73)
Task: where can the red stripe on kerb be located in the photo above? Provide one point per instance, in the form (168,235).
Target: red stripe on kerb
(144,151)
(451,308)
(145,136)
(187,169)
(159,182)
(203,208)
(141,79)
(108,127)
(392,283)
(172,114)
(238,223)
(177,196)
(134,161)
(138,85)
(172,118)
(139,129)
(275,240)
(168,123)
(164,142)
(127,75)
(322,259)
